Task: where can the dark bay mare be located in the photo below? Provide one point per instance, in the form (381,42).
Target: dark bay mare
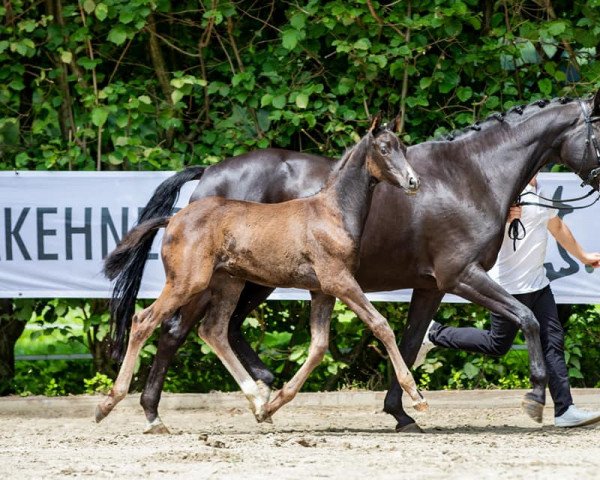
(216,244)
(442,240)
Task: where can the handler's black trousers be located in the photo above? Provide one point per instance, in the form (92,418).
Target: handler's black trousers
(499,338)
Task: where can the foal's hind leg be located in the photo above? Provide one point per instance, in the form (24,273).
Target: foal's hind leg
(143,324)
(320,319)
(345,287)
(213,331)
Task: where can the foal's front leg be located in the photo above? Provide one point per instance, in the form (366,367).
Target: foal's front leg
(320,320)
(346,288)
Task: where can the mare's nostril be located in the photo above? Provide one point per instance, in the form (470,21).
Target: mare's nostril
(413,182)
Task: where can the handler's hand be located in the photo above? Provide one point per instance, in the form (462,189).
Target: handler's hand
(591,259)
(514,212)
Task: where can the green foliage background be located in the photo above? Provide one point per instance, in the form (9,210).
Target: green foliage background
(157,84)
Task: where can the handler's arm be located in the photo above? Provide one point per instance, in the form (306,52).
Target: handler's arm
(565,238)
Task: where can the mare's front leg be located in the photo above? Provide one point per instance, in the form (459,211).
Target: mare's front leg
(173,333)
(320,319)
(423,305)
(476,286)
(343,285)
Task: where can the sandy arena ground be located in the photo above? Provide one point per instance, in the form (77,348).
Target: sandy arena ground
(478,435)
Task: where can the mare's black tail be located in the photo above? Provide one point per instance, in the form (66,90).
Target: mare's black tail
(126,263)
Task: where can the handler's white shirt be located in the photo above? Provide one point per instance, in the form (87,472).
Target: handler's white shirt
(522,271)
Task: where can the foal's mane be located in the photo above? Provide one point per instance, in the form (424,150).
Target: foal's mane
(518,112)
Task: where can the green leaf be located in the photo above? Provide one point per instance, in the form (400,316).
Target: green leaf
(298,21)
(89,6)
(556,28)
(464,93)
(302,100)
(471,371)
(545,86)
(145,99)
(425,82)
(290,38)
(266,99)
(66,56)
(117,35)
(99,116)
(279,101)
(126,15)
(176,95)
(362,44)
(101,11)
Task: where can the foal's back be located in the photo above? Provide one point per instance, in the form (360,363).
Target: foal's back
(270,244)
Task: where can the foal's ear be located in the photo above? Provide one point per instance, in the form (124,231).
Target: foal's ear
(375,122)
(596,104)
(397,124)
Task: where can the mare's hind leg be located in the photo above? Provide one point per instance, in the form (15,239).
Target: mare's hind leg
(320,320)
(423,305)
(213,331)
(343,285)
(173,332)
(475,285)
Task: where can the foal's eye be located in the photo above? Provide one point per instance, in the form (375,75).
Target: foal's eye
(383,149)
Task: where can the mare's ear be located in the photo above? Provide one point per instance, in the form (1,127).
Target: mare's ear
(397,124)
(375,122)
(596,104)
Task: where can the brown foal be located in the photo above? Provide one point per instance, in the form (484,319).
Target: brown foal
(310,243)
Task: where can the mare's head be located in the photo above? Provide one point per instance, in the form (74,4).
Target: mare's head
(386,158)
(580,149)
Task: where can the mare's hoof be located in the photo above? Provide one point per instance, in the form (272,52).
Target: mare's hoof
(408,428)
(100,413)
(421,406)
(156,428)
(533,409)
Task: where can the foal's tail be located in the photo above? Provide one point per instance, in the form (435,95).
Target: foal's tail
(126,263)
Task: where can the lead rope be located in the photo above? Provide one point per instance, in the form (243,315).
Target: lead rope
(516,229)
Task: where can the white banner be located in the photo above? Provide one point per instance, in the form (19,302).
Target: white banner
(56,227)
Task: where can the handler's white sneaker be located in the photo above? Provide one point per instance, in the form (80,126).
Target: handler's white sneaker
(426,346)
(574,417)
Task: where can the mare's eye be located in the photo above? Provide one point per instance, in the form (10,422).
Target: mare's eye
(383,149)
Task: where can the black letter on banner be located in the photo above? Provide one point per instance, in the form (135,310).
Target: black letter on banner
(85,230)
(9,232)
(106,223)
(41,233)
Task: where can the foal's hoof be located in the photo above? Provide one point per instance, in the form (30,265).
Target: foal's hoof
(421,405)
(157,427)
(408,428)
(263,415)
(533,409)
(264,391)
(101,413)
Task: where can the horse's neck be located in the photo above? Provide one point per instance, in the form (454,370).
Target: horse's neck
(502,158)
(350,191)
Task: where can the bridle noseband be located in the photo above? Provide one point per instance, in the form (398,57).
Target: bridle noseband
(590,140)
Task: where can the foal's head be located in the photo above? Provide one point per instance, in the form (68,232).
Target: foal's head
(386,158)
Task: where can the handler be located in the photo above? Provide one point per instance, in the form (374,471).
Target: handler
(521,273)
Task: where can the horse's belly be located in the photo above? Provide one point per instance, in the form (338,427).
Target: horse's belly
(284,272)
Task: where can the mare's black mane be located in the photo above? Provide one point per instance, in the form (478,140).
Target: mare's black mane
(501,117)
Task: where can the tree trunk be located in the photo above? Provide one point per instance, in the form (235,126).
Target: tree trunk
(10,331)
